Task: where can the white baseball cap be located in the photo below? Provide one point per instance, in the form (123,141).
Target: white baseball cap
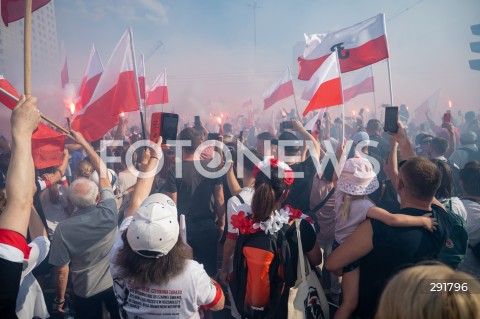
(154,227)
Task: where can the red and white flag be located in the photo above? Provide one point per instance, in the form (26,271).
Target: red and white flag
(360,84)
(115,93)
(279,90)
(64,72)
(325,87)
(360,45)
(8,94)
(47,144)
(13,10)
(158,94)
(90,79)
(141,75)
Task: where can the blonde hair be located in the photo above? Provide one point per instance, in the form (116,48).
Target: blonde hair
(408,295)
(84,169)
(347,201)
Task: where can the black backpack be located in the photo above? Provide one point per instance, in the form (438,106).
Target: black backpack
(280,274)
(453,253)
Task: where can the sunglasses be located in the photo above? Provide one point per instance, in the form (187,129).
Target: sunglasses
(426,142)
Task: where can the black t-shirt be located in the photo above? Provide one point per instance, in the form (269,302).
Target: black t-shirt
(299,196)
(194,191)
(395,248)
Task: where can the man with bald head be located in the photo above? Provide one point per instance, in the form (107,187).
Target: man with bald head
(81,244)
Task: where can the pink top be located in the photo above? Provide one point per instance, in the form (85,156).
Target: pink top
(358,213)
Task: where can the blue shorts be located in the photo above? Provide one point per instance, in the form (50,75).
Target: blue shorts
(350,267)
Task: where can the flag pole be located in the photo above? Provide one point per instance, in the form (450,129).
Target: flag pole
(294,96)
(374,97)
(14,98)
(343,99)
(145,87)
(27,48)
(390,82)
(137,86)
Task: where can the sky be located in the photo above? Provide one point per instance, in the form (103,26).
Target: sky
(208,46)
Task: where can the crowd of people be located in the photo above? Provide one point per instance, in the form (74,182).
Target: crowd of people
(386,223)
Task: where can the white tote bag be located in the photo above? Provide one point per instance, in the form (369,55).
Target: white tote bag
(306,300)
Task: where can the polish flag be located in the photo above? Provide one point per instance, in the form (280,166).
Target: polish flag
(90,79)
(158,94)
(429,105)
(115,93)
(325,87)
(8,94)
(13,10)
(362,83)
(358,46)
(279,90)
(141,75)
(64,72)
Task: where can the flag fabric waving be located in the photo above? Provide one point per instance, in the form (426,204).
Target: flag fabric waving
(64,72)
(359,45)
(47,147)
(158,94)
(115,93)
(325,87)
(141,75)
(4,98)
(360,84)
(47,144)
(13,10)
(90,79)
(279,90)
(429,104)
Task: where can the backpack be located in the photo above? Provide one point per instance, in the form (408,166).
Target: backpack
(278,271)
(453,253)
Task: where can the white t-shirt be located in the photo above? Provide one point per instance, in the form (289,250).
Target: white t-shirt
(457,207)
(358,213)
(471,264)
(54,212)
(180,298)
(234,206)
(30,300)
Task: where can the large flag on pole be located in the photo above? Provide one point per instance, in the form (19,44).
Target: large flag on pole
(13,10)
(90,79)
(47,144)
(360,45)
(115,93)
(158,93)
(360,84)
(279,90)
(141,75)
(325,87)
(64,72)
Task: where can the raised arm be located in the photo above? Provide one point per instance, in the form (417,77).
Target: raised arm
(20,182)
(144,185)
(97,163)
(232,181)
(401,220)
(451,139)
(297,125)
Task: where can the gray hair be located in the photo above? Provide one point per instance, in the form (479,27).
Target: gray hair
(83,193)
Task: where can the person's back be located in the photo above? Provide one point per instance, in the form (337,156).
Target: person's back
(85,240)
